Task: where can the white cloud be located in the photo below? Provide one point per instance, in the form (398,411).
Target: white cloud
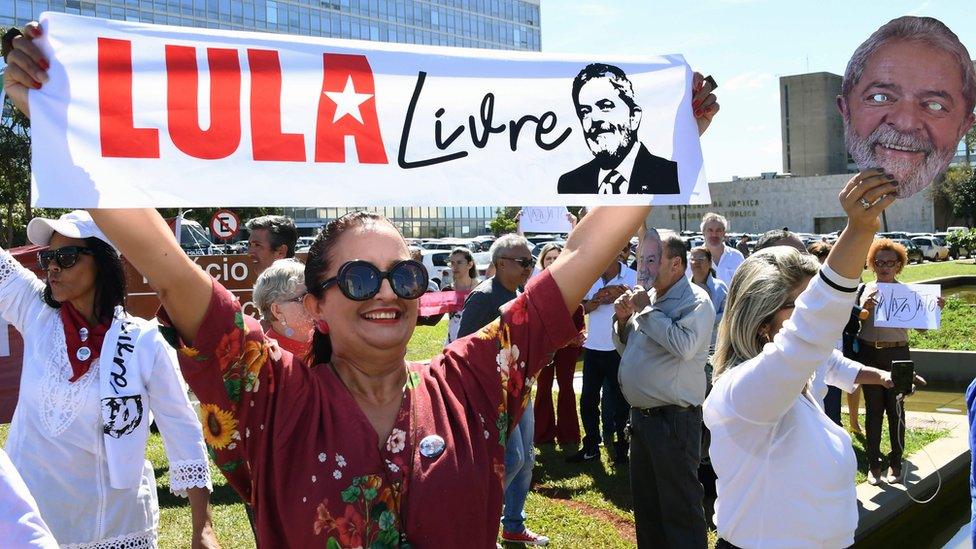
(749,80)
(596,9)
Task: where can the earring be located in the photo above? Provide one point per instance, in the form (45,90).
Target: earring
(322,327)
(289,332)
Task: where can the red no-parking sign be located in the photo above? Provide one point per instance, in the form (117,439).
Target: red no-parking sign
(225,224)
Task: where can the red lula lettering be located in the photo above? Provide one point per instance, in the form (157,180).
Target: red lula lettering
(269,142)
(223,136)
(119,136)
(343,75)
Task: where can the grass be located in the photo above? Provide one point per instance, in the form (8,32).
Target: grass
(955,333)
(925,271)
(427,341)
(587,505)
(576,505)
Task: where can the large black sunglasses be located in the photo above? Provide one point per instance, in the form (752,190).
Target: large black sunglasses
(360,280)
(65,256)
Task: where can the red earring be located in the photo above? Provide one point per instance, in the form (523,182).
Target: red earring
(322,327)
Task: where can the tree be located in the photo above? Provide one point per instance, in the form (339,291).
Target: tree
(504,221)
(959,191)
(969,142)
(14,173)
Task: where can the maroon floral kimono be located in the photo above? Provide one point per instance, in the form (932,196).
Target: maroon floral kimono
(294,443)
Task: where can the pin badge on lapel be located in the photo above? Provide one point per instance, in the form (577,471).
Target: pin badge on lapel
(432,446)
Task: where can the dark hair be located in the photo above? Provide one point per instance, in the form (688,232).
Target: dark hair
(109,281)
(473,270)
(281,231)
(772,238)
(317,264)
(820,249)
(676,248)
(618,79)
(708,256)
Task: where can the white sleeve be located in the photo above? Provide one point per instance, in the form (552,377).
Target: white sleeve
(21,293)
(842,372)
(178,424)
(762,389)
(21,524)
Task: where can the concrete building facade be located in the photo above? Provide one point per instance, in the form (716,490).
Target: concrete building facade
(804,204)
(812,128)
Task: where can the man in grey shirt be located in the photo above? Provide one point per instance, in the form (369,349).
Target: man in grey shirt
(663,335)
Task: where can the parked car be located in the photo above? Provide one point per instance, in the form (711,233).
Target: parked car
(304,244)
(954,229)
(537,249)
(481,262)
(438,266)
(955,250)
(893,235)
(914,252)
(932,248)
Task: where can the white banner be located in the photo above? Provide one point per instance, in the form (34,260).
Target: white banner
(148,115)
(550,219)
(908,306)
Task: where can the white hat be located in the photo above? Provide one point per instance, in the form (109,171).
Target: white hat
(76,224)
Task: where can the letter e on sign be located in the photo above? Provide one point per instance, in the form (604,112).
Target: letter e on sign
(225,224)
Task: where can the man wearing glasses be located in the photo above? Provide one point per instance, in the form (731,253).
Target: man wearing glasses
(513,265)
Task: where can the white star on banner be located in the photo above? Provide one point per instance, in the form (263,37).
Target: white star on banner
(348,101)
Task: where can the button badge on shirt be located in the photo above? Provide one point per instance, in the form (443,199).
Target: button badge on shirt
(83,354)
(432,446)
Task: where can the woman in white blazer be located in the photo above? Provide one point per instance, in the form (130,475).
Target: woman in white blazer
(785,470)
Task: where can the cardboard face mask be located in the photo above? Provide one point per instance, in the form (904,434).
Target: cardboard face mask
(649,252)
(906,101)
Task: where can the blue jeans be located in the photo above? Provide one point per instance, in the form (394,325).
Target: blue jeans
(519,460)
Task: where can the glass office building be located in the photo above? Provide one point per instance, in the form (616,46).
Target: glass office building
(496,24)
(415,222)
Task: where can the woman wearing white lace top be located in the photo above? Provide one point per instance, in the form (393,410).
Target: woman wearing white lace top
(93,380)
(785,470)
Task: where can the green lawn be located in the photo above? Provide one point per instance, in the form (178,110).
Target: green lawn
(577,505)
(925,271)
(955,333)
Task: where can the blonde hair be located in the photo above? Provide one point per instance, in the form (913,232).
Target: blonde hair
(760,287)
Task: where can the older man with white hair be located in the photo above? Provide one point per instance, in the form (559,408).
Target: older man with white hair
(725,259)
(907,100)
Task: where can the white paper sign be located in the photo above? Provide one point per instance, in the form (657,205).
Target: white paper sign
(908,306)
(551,219)
(148,115)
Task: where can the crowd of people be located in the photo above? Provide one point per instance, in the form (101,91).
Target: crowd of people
(331,437)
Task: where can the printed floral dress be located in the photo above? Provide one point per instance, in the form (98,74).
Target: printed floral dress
(294,443)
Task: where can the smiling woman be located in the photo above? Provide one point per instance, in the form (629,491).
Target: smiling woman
(359,448)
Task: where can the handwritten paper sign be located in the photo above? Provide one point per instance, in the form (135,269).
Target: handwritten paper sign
(139,115)
(545,220)
(908,306)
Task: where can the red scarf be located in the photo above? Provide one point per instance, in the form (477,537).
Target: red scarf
(74,323)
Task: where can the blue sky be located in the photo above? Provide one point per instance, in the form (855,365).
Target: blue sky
(746,45)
